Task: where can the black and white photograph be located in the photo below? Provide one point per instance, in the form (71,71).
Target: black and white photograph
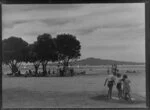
(73,55)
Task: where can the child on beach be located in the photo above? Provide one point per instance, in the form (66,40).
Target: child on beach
(126,88)
(119,85)
(110,80)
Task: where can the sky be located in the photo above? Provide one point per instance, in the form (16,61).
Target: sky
(106,31)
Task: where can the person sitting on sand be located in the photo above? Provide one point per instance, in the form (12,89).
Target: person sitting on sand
(110,80)
(126,88)
(119,85)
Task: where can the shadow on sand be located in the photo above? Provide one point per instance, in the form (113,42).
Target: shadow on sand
(137,99)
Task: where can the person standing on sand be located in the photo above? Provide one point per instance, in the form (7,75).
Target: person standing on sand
(110,81)
(119,85)
(126,88)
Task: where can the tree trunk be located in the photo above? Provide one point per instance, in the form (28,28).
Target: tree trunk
(44,65)
(14,69)
(36,69)
(65,67)
(14,66)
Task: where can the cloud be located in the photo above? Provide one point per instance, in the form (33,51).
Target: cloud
(107,28)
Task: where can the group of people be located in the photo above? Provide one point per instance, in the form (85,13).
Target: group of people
(122,84)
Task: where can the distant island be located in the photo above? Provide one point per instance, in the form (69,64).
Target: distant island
(98,61)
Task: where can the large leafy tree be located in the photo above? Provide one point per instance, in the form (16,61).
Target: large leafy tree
(33,57)
(68,48)
(45,49)
(14,52)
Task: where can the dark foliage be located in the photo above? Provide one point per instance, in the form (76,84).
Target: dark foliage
(14,52)
(62,49)
(33,57)
(68,48)
(45,49)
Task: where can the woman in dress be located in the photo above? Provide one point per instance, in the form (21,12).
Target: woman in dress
(119,86)
(126,88)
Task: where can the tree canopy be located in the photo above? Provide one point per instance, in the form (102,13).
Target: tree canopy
(45,49)
(14,51)
(68,47)
(63,49)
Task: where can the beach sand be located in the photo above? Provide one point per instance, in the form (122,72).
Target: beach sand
(86,91)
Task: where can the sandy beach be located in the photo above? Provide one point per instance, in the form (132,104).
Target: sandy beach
(86,91)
